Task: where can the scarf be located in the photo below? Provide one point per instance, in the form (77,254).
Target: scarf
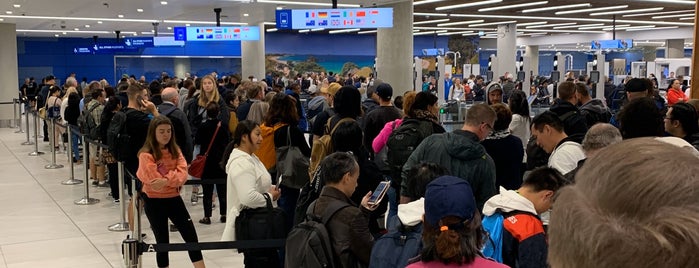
(422,114)
(500,134)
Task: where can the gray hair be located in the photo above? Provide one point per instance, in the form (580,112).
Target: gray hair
(599,136)
(71,82)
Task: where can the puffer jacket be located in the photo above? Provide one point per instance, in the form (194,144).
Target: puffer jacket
(348,229)
(574,122)
(595,112)
(461,153)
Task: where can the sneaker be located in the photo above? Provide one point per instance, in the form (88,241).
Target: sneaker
(195,199)
(95,183)
(116,201)
(205,220)
(103,184)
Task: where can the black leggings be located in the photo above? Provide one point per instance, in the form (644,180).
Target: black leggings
(208,193)
(158,211)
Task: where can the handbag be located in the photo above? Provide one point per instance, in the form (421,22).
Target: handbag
(292,165)
(196,169)
(42,112)
(261,223)
(54,112)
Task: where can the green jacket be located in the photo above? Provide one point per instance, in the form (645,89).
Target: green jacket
(461,153)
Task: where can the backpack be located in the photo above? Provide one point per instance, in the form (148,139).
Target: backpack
(381,157)
(177,127)
(493,226)
(267,152)
(401,144)
(323,147)
(87,124)
(307,195)
(309,243)
(118,137)
(396,248)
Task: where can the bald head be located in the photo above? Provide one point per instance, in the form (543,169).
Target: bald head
(170,94)
(600,136)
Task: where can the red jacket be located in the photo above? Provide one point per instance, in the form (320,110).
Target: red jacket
(675,96)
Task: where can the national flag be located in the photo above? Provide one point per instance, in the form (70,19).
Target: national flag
(308,14)
(350,14)
(313,14)
(374,12)
(236,30)
(335,14)
(209,30)
(322,15)
(361,13)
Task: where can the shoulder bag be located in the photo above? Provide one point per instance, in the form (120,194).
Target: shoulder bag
(292,165)
(196,169)
(261,223)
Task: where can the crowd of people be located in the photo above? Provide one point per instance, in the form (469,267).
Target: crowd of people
(574,183)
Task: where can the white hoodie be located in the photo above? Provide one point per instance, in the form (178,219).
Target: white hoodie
(410,214)
(508,201)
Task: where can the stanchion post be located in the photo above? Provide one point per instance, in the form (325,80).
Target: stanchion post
(53,164)
(28,142)
(130,252)
(36,137)
(19,122)
(71,180)
(86,156)
(14,109)
(123,225)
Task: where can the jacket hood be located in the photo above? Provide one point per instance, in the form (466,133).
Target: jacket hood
(236,154)
(508,201)
(316,102)
(410,214)
(595,105)
(464,145)
(561,107)
(494,86)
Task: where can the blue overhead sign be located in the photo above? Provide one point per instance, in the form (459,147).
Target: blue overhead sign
(612,44)
(138,42)
(108,48)
(296,19)
(244,33)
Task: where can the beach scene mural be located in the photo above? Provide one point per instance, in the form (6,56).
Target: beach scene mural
(289,64)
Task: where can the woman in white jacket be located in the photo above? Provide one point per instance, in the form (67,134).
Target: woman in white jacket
(248,181)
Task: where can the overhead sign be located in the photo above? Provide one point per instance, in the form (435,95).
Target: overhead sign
(612,44)
(296,19)
(244,33)
(166,41)
(139,42)
(433,52)
(104,49)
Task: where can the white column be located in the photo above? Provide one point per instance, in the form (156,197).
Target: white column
(9,75)
(533,53)
(507,39)
(253,52)
(394,50)
(674,48)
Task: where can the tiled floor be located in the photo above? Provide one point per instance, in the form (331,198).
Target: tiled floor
(41,227)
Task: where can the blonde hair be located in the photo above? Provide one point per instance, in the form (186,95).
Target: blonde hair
(204,99)
(629,208)
(68,92)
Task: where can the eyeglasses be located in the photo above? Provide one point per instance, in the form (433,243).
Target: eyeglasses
(490,127)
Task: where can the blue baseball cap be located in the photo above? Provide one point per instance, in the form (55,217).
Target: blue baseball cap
(448,196)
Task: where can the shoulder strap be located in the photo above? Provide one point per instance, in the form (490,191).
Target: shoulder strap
(218,126)
(567,115)
(346,119)
(330,211)
(169,111)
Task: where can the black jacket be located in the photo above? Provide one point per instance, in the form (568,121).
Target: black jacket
(182,129)
(212,170)
(574,122)
(195,114)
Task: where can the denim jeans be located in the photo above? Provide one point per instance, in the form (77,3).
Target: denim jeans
(76,152)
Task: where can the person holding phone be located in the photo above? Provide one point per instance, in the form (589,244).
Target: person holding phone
(349,227)
(163,170)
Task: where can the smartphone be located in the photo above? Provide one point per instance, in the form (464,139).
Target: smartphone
(379,193)
(279,182)
(139,99)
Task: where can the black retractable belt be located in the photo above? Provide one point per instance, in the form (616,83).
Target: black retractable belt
(245,244)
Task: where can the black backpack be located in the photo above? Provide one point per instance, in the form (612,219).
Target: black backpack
(401,144)
(118,137)
(87,124)
(308,194)
(309,243)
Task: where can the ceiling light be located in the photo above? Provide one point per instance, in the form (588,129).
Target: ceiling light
(688,2)
(99,22)
(590,10)
(673,16)
(429,21)
(246,15)
(430,14)
(551,25)
(470,4)
(87,25)
(17,6)
(579,19)
(269,23)
(602,27)
(187,24)
(8,12)
(304,31)
(120,16)
(423,33)
(163,3)
(454,33)
(202,22)
(169,28)
(513,6)
(417,3)
(151,32)
(272,30)
(555,7)
(531,23)
(73,18)
(493,23)
(657,13)
(367,32)
(279,8)
(135,34)
(690,18)
(139,10)
(579,26)
(627,11)
(317,29)
(656,28)
(629,27)
(64,33)
(344,31)
(460,23)
(305,3)
(61,31)
(56,35)
(76,29)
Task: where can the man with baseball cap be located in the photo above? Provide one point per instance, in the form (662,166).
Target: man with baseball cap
(375,120)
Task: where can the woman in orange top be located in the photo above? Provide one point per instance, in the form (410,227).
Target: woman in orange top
(163,170)
(675,93)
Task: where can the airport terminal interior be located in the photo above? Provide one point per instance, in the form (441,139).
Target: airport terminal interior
(46,223)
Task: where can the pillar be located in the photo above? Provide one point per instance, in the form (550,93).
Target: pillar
(507,39)
(182,66)
(394,50)
(533,53)
(9,75)
(674,48)
(694,92)
(253,52)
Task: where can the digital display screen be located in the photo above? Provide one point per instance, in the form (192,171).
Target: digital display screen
(350,18)
(594,77)
(243,33)
(612,44)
